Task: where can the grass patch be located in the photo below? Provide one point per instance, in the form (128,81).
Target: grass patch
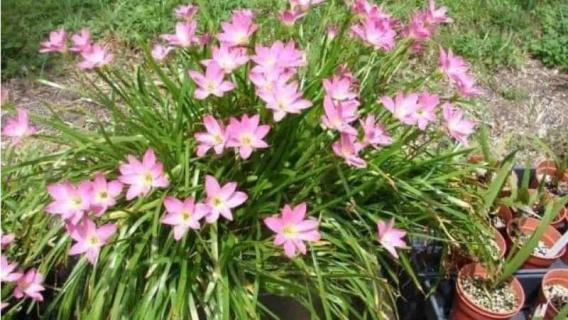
(490,33)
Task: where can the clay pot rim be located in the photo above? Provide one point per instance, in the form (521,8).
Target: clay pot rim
(548,274)
(548,167)
(546,197)
(548,228)
(513,283)
(499,238)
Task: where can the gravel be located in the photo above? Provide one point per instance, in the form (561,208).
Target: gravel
(557,294)
(501,299)
(541,249)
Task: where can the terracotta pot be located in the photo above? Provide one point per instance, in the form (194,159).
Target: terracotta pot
(475,158)
(501,243)
(558,221)
(555,276)
(547,167)
(459,259)
(465,309)
(506,214)
(549,237)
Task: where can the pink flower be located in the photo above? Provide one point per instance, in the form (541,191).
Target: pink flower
(292,229)
(104,193)
(6,239)
(278,57)
(238,31)
(228,58)
(18,128)
(376,33)
(55,43)
(348,149)
(465,84)
(220,200)
(212,83)
(426,111)
(90,239)
(160,52)
(332,31)
(183,215)
(437,16)
(418,28)
(143,175)
(339,118)
(374,134)
(69,201)
(184,36)
(339,88)
(81,41)
(30,284)
(215,137)
(266,82)
(457,126)
(3,305)
(203,39)
(454,66)
(457,70)
(186,12)
(284,99)
(95,57)
(246,135)
(7,273)
(289,17)
(402,107)
(390,237)
(303,5)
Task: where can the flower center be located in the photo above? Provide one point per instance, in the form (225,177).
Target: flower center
(241,37)
(270,62)
(148,179)
(281,104)
(210,85)
(218,139)
(103,195)
(246,139)
(77,201)
(185,215)
(217,202)
(93,240)
(289,231)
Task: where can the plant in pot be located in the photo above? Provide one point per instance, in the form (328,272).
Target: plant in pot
(553,296)
(530,206)
(489,290)
(230,168)
(552,172)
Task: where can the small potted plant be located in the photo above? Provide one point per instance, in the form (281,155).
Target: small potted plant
(491,291)
(553,175)
(554,292)
(520,231)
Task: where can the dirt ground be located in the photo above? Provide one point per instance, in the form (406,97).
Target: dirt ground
(527,102)
(517,105)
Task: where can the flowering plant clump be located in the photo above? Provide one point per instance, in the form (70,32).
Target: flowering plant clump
(257,155)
